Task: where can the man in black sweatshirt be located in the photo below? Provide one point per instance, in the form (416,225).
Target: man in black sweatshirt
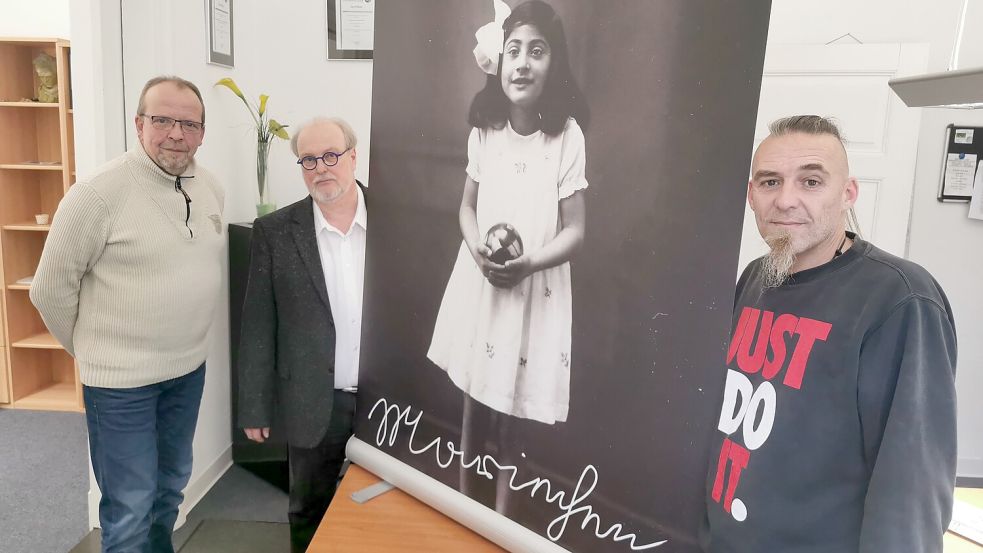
(837,431)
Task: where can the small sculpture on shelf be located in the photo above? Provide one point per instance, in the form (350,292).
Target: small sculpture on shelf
(47,72)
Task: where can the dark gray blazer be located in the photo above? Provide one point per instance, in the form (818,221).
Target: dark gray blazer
(287,346)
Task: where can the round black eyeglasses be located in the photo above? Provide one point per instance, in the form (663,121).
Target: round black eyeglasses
(330,159)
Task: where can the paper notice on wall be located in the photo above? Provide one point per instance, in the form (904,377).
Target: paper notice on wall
(960,169)
(964,136)
(976,203)
(222,27)
(355,24)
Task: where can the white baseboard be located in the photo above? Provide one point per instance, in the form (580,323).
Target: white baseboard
(94,497)
(198,487)
(969,467)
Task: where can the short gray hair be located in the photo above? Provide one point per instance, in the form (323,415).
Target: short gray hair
(181,83)
(808,124)
(350,138)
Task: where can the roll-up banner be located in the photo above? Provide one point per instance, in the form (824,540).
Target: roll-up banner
(557,195)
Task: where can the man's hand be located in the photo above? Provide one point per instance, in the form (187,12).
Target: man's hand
(258,434)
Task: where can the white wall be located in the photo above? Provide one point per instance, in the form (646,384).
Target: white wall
(948,244)
(96,96)
(97,83)
(279,52)
(35,18)
(940,236)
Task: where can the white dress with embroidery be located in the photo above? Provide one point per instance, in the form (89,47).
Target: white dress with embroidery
(510,348)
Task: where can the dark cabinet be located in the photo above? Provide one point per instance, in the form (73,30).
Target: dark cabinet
(267,460)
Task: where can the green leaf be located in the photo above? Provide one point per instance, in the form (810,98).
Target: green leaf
(262,103)
(278,130)
(231,85)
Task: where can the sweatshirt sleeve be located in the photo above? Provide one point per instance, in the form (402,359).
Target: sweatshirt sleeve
(75,241)
(257,343)
(907,400)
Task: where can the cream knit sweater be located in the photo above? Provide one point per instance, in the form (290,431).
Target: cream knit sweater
(124,284)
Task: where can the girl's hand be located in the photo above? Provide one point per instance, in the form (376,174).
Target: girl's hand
(512,272)
(488,268)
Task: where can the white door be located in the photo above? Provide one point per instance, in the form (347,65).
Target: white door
(849,83)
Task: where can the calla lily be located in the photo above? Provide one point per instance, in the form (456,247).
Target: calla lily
(266,129)
(278,130)
(231,85)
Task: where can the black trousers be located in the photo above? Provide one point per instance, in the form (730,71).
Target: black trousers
(314,473)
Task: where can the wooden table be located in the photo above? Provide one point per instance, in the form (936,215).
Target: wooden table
(393,521)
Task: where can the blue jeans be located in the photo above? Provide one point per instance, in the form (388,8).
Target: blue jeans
(140,440)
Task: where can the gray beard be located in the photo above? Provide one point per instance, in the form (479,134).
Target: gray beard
(778,263)
(171,165)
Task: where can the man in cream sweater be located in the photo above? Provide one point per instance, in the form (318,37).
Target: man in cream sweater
(128,283)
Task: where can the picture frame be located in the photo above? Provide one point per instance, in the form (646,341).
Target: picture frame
(350,29)
(219,27)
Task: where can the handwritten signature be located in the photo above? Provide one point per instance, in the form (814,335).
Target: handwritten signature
(394,418)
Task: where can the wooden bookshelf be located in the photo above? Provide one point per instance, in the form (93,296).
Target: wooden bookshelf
(47,379)
(4,385)
(38,105)
(32,167)
(60,396)
(41,340)
(27,226)
(36,168)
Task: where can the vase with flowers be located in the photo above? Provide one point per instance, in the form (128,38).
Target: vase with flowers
(267,129)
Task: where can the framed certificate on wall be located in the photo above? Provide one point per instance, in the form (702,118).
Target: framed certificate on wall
(351,29)
(221,48)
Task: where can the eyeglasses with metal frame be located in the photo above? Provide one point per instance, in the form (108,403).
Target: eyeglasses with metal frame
(164,123)
(330,159)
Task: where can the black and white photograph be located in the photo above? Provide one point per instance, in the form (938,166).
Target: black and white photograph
(503,330)
(556,220)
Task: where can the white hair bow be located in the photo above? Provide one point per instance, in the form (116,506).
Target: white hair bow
(490,38)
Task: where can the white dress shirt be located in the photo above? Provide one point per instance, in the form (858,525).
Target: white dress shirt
(343,263)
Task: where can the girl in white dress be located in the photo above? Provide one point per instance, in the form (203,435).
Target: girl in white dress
(503,330)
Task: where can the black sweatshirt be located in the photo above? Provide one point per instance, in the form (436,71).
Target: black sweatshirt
(838,426)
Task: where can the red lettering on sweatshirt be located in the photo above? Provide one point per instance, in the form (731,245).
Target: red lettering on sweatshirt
(751,362)
(785,324)
(759,342)
(809,330)
(742,324)
(738,457)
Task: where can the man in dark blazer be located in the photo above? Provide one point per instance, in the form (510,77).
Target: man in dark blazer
(301,321)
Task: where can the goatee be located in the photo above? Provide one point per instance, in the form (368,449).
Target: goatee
(778,263)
